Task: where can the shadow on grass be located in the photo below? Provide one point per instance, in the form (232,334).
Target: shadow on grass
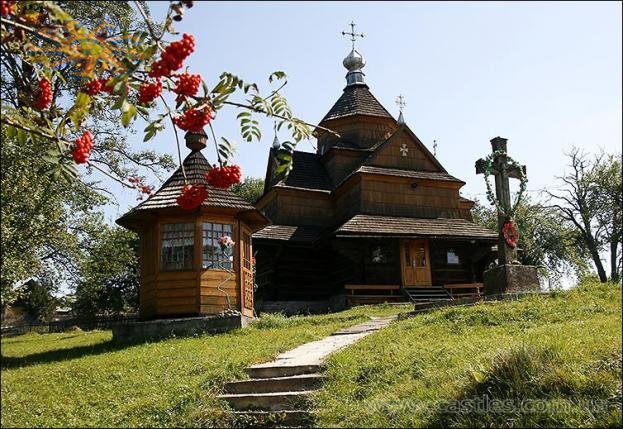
(59,355)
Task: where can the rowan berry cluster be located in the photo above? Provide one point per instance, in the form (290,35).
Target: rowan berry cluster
(223,177)
(173,56)
(7,7)
(144,189)
(192,196)
(83,147)
(194,119)
(44,94)
(187,84)
(148,92)
(95,86)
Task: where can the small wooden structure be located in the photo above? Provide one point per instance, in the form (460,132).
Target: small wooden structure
(184,272)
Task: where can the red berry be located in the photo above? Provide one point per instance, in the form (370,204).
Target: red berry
(187,84)
(148,92)
(223,177)
(7,7)
(194,119)
(83,147)
(44,95)
(93,87)
(173,56)
(192,196)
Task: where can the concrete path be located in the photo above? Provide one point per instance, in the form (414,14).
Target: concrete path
(276,393)
(314,353)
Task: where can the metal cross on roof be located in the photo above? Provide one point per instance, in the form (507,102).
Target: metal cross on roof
(352,33)
(400,102)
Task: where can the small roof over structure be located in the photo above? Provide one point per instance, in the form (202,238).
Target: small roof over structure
(389,226)
(165,198)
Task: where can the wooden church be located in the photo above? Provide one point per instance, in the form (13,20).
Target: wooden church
(372,214)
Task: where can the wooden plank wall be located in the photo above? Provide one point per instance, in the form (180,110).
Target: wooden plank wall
(356,255)
(303,208)
(389,196)
(212,299)
(451,273)
(342,162)
(390,156)
(366,132)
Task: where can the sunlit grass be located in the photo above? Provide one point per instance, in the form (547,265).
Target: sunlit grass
(562,350)
(83,379)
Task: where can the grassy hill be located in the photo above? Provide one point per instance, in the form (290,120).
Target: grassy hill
(542,361)
(559,352)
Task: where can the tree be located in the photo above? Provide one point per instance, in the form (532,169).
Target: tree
(544,241)
(590,200)
(109,274)
(36,298)
(251,189)
(43,220)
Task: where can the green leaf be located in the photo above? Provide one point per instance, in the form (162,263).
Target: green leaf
(128,115)
(21,136)
(276,75)
(11,131)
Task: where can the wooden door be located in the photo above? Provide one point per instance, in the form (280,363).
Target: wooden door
(246,284)
(415,263)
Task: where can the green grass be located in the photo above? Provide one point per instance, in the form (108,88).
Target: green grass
(560,352)
(83,379)
(555,353)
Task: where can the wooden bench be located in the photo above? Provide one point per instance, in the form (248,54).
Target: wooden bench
(460,290)
(354,298)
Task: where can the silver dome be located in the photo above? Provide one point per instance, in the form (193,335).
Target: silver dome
(354,61)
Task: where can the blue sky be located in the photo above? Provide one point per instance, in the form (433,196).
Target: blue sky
(545,75)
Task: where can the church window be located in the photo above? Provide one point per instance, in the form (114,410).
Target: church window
(178,241)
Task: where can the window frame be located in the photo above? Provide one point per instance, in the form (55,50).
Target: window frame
(226,264)
(165,266)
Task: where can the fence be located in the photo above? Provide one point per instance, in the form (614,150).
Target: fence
(64,324)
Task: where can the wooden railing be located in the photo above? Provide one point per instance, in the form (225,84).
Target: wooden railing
(462,290)
(387,294)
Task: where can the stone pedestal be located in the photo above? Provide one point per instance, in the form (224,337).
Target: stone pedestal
(510,279)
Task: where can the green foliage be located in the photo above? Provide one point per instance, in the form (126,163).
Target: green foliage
(251,189)
(36,298)
(543,239)
(83,379)
(561,349)
(43,220)
(110,274)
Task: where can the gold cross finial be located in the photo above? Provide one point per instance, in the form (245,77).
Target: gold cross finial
(352,33)
(400,102)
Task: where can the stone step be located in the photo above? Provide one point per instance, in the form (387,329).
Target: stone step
(289,418)
(272,401)
(266,371)
(276,384)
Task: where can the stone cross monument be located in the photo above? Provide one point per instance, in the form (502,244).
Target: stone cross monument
(502,170)
(509,275)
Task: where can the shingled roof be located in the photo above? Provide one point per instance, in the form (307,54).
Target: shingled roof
(299,234)
(356,100)
(387,226)
(432,175)
(307,172)
(195,166)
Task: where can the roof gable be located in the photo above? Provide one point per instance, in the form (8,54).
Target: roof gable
(403,150)
(356,100)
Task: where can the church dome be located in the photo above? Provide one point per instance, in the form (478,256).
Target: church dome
(354,61)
